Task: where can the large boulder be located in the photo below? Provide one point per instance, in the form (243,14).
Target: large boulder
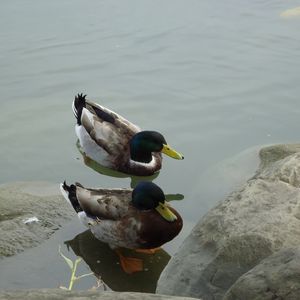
(29,213)
(50,294)
(259,219)
(276,277)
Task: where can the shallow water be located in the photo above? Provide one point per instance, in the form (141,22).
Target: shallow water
(215,78)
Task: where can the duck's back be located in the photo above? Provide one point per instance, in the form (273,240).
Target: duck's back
(104,135)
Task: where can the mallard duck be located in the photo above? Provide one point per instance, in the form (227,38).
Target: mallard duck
(134,219)
(116,143)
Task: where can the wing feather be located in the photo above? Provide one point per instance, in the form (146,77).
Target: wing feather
(113,137)
(118,119)
(110,204)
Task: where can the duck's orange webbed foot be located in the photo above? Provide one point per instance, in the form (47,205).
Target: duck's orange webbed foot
(148,251)
(130,264)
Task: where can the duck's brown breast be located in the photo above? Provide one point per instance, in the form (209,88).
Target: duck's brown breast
(156,231)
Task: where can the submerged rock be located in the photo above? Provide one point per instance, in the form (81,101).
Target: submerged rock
(276,277)
(82,295)
(254,222)
(29,213)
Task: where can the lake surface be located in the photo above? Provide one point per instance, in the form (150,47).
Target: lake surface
(219,80)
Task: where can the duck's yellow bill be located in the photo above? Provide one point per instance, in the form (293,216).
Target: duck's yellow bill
(165,212)
(171,152)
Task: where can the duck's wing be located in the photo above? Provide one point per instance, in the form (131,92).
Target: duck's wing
(107,115)
(112,204)
(107,129)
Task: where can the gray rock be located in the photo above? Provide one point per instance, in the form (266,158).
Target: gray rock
(253,222)
(56,294)
(271,154)
(29,213)
(276,277)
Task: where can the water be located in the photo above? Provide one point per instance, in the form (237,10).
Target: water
(215,78)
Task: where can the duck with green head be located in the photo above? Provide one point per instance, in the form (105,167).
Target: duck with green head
(114,142)
(134,219)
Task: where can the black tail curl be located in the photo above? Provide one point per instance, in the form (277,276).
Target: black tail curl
(78,105)
(72,196)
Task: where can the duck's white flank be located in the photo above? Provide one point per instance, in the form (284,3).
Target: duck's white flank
(90,147)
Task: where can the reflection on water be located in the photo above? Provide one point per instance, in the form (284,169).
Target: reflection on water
(104,262)
(112,173)
(134,179)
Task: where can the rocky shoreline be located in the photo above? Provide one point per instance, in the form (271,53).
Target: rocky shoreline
(225,255)
(57,294)
(246,247)
(30,212)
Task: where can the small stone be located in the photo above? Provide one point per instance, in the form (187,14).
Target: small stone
(30,220)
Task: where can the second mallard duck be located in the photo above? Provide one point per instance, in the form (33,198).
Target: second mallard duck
(134,219)
(138,218)
(116,143)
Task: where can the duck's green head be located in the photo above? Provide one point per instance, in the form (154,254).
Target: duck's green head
(147,196)
(145,142)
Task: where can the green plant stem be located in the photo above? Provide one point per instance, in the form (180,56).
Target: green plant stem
(73,276)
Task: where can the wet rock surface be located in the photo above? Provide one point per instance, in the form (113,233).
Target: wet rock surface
(254,222)
(29,213)
(276,277)
(82,295)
